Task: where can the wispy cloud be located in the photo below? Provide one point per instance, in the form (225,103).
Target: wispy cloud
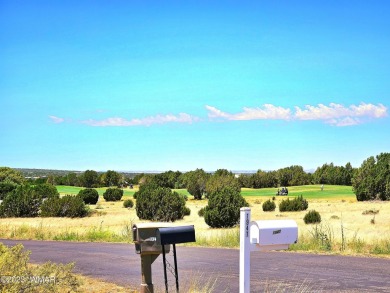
(56,119)
(268,111)
(339,115)
(334,114)
(158,119)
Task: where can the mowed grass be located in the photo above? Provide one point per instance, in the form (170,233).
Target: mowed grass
(307,191)
(73,190)
(346,223)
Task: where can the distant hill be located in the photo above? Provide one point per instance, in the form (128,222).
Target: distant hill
(28,172)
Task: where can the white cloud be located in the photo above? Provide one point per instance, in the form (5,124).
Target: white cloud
(268,111)
(333,114)
(158,119)
(56,119)
(335,111)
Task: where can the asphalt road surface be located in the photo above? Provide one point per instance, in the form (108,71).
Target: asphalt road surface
(270,271)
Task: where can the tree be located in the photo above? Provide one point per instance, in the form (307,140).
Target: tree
(158,203)
(21,202)
(195,182)
(372,179)
(46,190)
(10,179)
(245,180)
(264,179)
(220,180)
(223,209)
(292,176)
(111,178)
(89,179)
(11,175)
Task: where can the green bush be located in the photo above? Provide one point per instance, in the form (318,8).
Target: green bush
(297,204)
(113,194)
(312,217)
(269,206)
(89,195)
(6,187)
(67,206)
(15,263)
(46,190)
(157,203)
(223,209)
(21,202)
(201,212)
(187,211)
(128,203)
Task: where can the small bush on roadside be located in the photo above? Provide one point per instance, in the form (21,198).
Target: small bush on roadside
(370,212)
(312,217)
(67,206)
(187,211)
(54,277)
(269,206)
(297,204)
(128,203)
(201,212)
(113,194)
(89,195)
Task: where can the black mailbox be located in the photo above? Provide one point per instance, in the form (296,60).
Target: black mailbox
(174,235)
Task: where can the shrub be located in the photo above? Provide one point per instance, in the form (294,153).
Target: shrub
(269,206)
(157,203)
(89,195)
(312,217)
(201,212)
(6,187)
(297,204)
(15,263)
(46,190)
(67,206)
(128,203)
(223,209)
(187,211)
(113,194)
(21,202)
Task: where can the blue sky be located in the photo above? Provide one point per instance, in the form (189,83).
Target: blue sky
(179,85)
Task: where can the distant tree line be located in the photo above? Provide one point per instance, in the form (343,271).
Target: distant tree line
(370,181)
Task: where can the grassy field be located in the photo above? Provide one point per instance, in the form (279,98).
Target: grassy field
(347,226)
(73,190)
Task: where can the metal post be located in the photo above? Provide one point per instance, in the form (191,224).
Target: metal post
(176,273)
(146,268)
(245,250)
(165,269)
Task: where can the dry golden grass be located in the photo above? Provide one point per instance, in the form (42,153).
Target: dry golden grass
(338,215)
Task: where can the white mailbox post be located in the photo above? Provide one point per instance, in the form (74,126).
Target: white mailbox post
(262,235)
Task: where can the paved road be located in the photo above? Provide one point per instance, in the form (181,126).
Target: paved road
(271,271)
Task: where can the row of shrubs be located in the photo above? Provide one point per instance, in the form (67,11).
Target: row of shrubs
(44,200)
(294,205)
(91,196)
(287,205)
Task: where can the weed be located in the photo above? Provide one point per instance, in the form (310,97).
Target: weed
(370,212)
